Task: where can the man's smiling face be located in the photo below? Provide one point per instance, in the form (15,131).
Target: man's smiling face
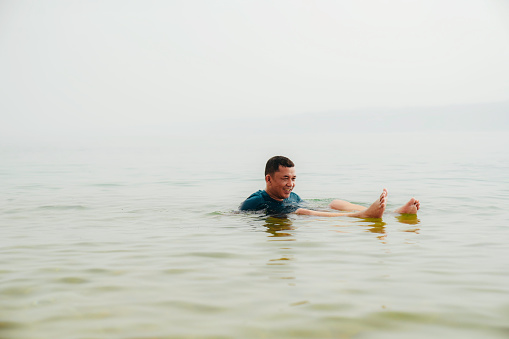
(281,183)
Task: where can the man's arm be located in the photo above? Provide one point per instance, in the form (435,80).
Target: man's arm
(303,211)
(376,210)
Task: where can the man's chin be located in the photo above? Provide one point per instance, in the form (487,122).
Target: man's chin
(286,195)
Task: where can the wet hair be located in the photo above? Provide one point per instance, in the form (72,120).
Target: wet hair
(273,164)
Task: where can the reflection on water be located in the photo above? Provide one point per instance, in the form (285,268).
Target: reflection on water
(279,261)
(284,270)
(275,225)
(375,226)
(410,219)
(378,225)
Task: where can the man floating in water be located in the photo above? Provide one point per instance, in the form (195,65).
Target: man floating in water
(278,198)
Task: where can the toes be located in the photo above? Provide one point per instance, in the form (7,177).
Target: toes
(412,201)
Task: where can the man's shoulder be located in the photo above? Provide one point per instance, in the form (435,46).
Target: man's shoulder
(255,201)
(257,194)
(294,197)
(260,195)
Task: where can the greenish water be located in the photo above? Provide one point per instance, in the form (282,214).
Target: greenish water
(139,238)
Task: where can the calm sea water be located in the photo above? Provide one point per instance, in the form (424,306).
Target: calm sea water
(139,238)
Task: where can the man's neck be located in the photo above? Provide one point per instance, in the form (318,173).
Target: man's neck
(270,195)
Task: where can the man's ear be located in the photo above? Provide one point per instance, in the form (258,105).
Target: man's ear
(268,178)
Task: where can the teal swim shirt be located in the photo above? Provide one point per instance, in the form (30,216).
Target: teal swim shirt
(261,201)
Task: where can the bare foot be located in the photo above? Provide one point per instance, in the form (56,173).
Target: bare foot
(376,210)
(411,207)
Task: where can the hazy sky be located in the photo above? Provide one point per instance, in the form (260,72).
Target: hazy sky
(114,65)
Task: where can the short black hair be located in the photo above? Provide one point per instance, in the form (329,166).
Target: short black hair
(273,164)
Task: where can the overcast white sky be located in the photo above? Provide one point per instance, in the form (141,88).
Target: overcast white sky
(114,65)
